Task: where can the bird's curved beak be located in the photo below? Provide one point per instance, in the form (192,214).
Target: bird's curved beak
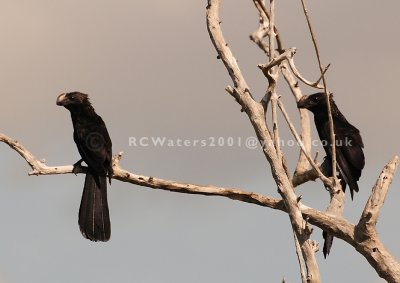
(61,99)
(302,102)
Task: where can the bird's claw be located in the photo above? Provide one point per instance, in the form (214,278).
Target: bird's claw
(77,167)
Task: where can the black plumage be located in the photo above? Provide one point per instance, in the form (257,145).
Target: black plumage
(94,145)
(349,145)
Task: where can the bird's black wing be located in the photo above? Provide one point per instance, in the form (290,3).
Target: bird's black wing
(352,145)
(94,144)
(349,150)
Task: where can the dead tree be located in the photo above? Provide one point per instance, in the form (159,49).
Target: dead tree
(279,63)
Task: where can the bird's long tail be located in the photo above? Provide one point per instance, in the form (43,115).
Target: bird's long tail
(94,219)
(328,240)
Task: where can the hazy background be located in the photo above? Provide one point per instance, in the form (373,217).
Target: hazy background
(151,71)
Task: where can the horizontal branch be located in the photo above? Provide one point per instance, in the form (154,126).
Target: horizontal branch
(187,188)
(38,167)
(319,218)
(369,244)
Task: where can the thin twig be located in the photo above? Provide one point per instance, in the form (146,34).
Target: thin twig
(260,5)
(331,126)
(262,31)
(272,75)
(283,61)
(300,259)
(296,72)
(271,32)
(275,128)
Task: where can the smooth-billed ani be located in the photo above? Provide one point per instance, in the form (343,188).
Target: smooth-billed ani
(349,145)
(94,145)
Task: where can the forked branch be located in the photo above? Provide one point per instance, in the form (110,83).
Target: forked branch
(256,114)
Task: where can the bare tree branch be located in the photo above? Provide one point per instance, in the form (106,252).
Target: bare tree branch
(270,71)
(368,244)
(369,217)
(305,176)
(263,27)
(256,114)
(366,235)
(40,168)
(230,62)
(275,61)
(304,80)
(283,61)
(264,18)
(311,174)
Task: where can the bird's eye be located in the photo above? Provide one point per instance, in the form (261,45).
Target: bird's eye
(71,97)
(314,99)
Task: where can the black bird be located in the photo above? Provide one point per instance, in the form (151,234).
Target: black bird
(349,145)
(94,145)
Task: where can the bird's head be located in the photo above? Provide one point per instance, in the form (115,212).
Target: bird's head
(71,99)
(314,101)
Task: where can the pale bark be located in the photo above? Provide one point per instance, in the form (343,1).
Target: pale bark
(280,61)
(363,237)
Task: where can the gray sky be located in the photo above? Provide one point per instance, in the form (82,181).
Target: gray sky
(152,71)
